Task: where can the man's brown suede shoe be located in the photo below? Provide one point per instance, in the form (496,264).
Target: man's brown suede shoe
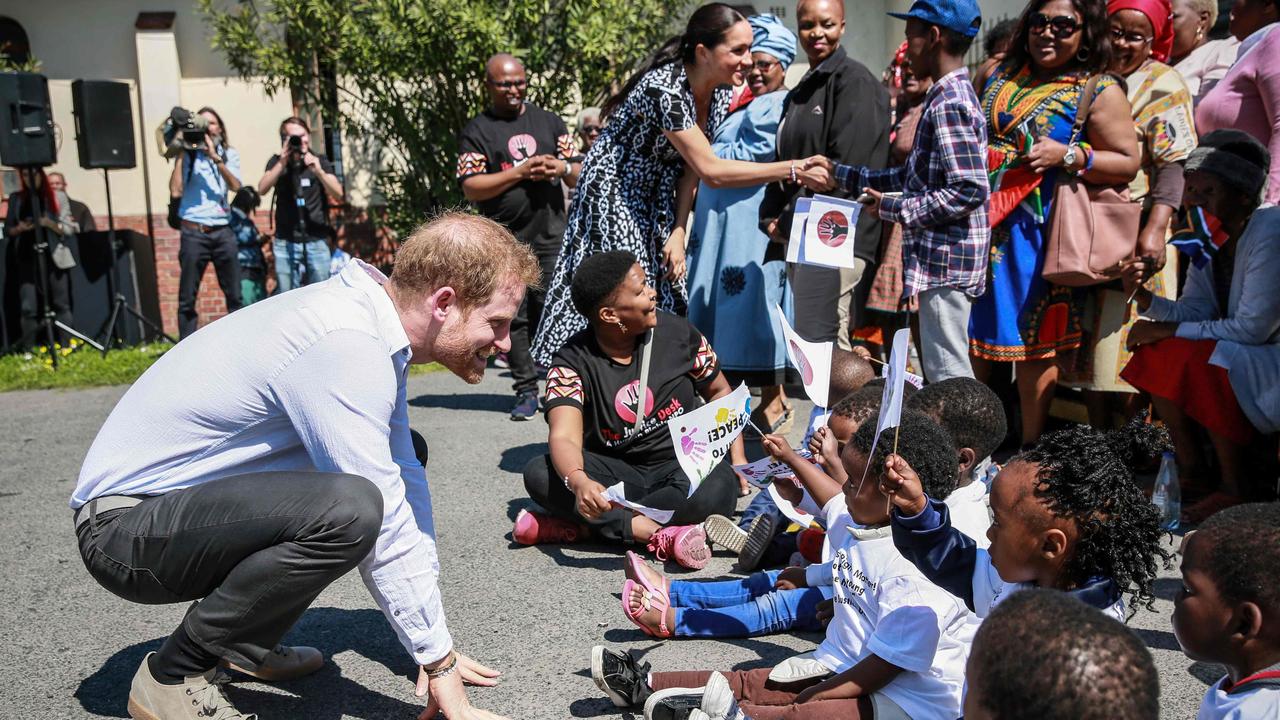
(283,663)
(199,697)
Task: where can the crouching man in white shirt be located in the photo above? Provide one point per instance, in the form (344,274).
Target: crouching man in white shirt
(269,453)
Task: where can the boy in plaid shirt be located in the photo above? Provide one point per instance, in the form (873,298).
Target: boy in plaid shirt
(943,202)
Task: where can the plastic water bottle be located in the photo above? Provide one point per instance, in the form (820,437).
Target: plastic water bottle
(1167,495)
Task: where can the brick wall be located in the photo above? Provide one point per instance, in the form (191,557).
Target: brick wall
(210,303)
(356,232)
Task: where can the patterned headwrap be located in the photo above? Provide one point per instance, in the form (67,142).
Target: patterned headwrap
(893,73)
(1160,13)
(769,35)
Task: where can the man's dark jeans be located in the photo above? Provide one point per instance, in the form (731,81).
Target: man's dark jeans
(525,325)
(195,250)
(258,548)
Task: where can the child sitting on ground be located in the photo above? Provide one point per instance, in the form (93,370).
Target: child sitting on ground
(973,416)
(896,645)
(1045,655)
(761,520)
(736,608)
(1228,609)
(1066,514)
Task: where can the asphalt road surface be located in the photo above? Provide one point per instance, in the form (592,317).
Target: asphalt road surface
(70,648)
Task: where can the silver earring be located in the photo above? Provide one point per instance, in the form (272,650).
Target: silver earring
(622,327)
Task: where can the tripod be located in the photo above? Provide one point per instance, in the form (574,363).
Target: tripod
(48,318)
(110,334)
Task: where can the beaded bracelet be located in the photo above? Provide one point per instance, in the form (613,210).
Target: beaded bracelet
(793,172)
(445,671)
(568,475)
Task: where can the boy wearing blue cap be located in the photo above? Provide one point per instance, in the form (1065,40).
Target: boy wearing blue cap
(942,205)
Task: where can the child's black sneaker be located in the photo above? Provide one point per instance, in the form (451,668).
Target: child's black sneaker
(619,676)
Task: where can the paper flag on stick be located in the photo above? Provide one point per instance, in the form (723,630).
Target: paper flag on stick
(617,494)
(910,377)
(812,359)
(828,232)
(702,437)
(796,240)
(764,471)
(891,398)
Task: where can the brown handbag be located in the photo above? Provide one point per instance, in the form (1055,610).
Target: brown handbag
(1091,227)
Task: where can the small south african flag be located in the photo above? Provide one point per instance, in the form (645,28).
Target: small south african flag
(1198,235)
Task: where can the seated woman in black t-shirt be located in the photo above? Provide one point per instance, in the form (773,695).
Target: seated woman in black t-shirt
(591,407)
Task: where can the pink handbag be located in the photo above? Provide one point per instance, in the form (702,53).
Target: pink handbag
(1091,227)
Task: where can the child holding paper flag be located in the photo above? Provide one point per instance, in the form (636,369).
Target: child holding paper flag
(944,186)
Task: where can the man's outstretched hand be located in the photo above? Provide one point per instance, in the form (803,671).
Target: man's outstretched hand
(448,695)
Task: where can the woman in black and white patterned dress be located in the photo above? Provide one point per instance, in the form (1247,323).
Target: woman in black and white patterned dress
(638,180)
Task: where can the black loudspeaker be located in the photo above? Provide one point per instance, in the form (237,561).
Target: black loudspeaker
(132,274)
(26,121)
(104,123)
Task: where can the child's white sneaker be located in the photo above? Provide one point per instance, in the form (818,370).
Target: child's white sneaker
(718,701)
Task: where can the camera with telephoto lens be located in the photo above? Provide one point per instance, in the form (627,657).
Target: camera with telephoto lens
(182,130)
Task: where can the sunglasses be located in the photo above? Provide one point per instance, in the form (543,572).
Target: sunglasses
(516,84)
(1060,26)
(1133,38)
(591,129)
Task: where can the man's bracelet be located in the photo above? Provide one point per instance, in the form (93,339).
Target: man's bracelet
(448,669)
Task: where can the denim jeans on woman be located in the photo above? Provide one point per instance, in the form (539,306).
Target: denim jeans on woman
(300,263)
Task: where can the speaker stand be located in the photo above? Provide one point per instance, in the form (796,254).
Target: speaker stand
(48,317)
(110,333)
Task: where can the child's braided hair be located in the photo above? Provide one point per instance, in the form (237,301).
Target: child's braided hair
(1087,476)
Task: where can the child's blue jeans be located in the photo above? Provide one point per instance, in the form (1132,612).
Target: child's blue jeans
(742,608)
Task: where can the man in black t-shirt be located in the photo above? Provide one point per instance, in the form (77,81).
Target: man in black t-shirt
(511,161)
(304,182)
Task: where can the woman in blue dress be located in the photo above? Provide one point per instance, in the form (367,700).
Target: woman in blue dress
(732,290)
(638,181)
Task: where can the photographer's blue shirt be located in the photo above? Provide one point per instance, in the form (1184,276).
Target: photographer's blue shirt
(205,195)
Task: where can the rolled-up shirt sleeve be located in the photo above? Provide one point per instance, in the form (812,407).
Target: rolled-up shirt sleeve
(361,428)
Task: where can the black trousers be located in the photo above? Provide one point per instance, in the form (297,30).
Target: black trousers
(27,273)
(255,549)
(525,324)
(663,487)
(195,251)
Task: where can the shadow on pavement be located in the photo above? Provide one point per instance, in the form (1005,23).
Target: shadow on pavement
(514,459)
(322,695)
(488,402)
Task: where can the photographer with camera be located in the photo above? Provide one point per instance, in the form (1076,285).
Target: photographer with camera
(204,178)
(304,182)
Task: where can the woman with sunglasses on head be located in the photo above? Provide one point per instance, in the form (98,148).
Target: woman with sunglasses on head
(639,179)
(732,289)
(1030,104)
(1163,115)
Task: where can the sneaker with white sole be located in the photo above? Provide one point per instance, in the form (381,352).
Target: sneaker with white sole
(199,697)
(620,677)
(759,535)
(724,532)
(673,704)
(718,701)
(686,544)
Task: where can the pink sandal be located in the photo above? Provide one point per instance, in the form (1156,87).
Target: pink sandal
(635,570)
(652,600)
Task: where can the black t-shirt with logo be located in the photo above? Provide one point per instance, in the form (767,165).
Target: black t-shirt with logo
(583,376)
(315,204)
(533,210)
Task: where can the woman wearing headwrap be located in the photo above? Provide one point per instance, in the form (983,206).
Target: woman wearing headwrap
(1163,116)
(1212,358)
(732,290)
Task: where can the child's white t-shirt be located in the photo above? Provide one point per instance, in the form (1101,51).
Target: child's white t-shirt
(1262,703)
(886,607)
(970,513)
